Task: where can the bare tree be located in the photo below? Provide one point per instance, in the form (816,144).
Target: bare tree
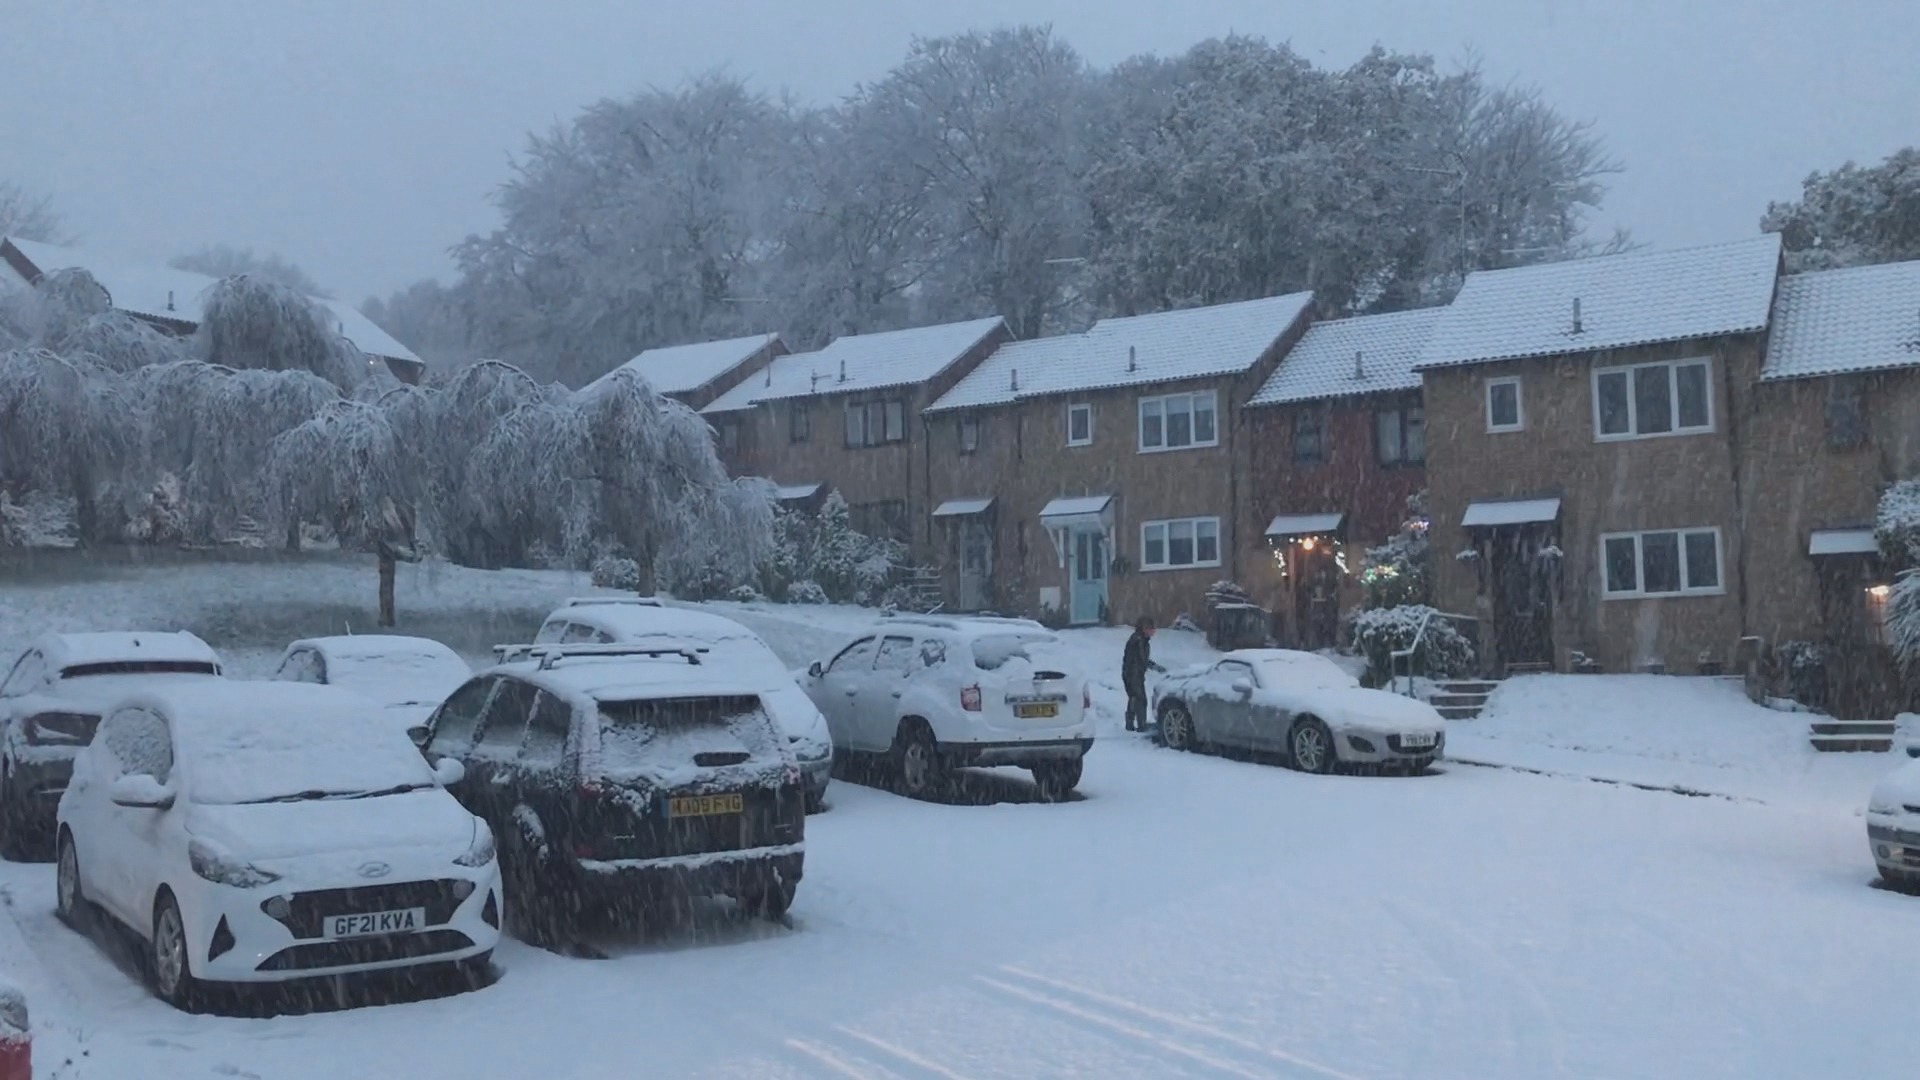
(30,216)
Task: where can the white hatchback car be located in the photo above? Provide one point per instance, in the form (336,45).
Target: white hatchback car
(408,677)
(262,832)
(937,693)
(1893,824)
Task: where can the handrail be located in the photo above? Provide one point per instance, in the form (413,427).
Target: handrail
(1408,653)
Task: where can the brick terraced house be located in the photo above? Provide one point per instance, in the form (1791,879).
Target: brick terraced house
(1093,477)
(1335,444)
(1582,428)
(846,418)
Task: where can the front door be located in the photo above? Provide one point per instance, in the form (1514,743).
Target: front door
(1522,596)
(1316,597)
(976,564)
(1087,551)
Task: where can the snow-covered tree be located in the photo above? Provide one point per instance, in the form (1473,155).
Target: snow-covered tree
(221,261)
(251,322)
(65,426)
(1852,216)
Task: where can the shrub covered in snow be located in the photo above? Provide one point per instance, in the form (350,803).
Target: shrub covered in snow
(1896,523)
(1903,623)
(825,550)
(1400,571)
(1222,593)
(615,572)
(806,592)
(1380,632)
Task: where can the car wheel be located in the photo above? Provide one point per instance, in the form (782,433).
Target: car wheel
(70,901)
(1311,746)
(475,972)
(816,800)
(173,980)
(916,760)
(771,901)
(1057,779)
(1176,727)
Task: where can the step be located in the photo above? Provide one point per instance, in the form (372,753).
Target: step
(1533,668)
(1849,744)
(1482,687)
(1458,712)
(1474,700)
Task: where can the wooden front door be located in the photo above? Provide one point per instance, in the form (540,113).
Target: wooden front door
(1519,579)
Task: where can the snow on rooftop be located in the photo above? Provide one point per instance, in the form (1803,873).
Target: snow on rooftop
(1076,506)
(1831,322)
(158,291)
(1842,542)
(1289,525)
(1135,350)
(1638,298)
(860,362)
(963,507)
(679,369)
(796,492)
(1510,512)
(1324,365)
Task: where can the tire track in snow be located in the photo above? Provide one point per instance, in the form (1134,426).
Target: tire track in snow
(852,1055)
(1172,1037)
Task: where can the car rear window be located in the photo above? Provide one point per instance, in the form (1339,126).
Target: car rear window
(141,667)
(993,651)
(663,735)
(61,729)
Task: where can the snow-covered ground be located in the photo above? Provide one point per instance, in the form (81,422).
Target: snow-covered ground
(1190,917)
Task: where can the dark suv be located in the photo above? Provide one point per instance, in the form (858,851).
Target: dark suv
(616,775)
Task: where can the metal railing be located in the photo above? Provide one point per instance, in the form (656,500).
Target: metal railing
(1419,638)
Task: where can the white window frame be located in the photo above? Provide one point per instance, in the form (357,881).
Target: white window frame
(1672,367)
(1164,402)
(1520,405)
(1639,592)
(1165,528)
(1087,408)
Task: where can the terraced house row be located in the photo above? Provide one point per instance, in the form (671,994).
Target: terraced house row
(1634,461)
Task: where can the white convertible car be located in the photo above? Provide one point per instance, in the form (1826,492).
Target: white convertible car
(1297,704)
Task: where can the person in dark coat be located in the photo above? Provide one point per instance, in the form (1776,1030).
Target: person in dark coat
(1133,673)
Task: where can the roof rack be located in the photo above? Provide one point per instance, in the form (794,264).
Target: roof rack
(638,601)
(549,655)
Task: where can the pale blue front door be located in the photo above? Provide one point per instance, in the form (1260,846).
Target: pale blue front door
(1087,564)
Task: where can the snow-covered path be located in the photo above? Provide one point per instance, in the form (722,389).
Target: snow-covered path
(1192,917)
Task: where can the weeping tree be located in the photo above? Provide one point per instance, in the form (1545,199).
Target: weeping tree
(65,425)
(348,466)
(250,322)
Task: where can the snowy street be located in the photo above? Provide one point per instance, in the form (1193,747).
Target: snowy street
(1189,917)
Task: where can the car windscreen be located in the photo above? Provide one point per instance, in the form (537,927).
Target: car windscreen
(991,652)
(140,667)
(668,737)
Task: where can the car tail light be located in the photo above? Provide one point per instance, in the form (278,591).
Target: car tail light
(970,698)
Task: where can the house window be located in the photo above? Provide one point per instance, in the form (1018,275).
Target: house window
(1400,435)
(1671,562)
(1646,400)
(729,432)
(1309,437)
(969,434)
(1846,413)
(876,423)
(800,421)
(1178,421)
(1080,423)
(1180,543)
(1503,405)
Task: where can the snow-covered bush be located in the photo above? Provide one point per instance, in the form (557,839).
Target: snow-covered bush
(615,572)
(745,594)
(1222,593)
(1400,571)
(825,550)
(1903,623)
(806,592)
(1896,523)
(160,517)
(1380,632)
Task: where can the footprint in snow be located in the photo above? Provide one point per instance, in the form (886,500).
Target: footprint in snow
(235,1071)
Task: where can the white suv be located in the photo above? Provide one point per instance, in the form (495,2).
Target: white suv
(938,693)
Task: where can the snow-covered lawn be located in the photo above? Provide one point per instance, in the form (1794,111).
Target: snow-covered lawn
(1190,917)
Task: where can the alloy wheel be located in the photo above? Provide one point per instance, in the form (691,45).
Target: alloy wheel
(1309,749)
(169,951)
(1177,728)
(69,881)
(914,766)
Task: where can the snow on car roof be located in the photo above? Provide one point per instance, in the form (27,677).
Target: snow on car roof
(652,621)
(373,646)
(585,679)
(121,646)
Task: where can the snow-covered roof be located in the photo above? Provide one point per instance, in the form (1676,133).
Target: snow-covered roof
(1510,512)
(120,646)
(1075,506)
(679,369)
(860,362)
(1324,364)
(963,507)
(1638,298)
(1842,542)
(796,492)
(1832,322)
(1285,525)
(1134,350)
(158,291)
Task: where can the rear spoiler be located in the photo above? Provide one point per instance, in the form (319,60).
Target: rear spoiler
(549,655)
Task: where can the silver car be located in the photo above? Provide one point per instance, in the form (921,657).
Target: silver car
(1299,705)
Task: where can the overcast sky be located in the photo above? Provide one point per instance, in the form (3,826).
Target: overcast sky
(361,138)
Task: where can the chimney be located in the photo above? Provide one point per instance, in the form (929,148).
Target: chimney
(769,371)
(1577,327)
(1015,385)
(813,380)
(1130,364)
(169,299)
(1359,365)
(843,371)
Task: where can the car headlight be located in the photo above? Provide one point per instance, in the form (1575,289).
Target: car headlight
(222,868)
(481,851)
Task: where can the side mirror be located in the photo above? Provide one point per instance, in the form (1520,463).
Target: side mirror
(814,669)
(140,790)
(1243,687)
(449,771)
(421,734)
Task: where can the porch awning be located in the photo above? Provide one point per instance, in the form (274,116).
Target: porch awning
(797,492)
(1287,526)
(1842,542)
(1076,510)
(963,507)
(1511,512)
